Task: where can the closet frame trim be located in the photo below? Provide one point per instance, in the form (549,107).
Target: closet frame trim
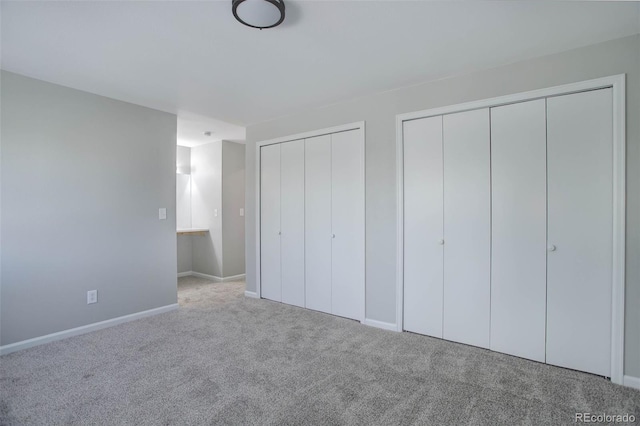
(358,125)
(617,84)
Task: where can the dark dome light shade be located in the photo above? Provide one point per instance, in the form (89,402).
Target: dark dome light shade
(259,13)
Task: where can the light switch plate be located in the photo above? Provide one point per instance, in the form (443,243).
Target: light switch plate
(162,213)
(241,211)
(215,212)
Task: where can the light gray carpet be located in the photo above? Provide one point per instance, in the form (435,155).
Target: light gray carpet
(225,359)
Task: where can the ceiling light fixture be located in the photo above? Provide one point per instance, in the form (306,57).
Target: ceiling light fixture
(259,13)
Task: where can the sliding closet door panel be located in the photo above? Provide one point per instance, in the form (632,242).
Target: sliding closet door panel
(270,222)
(519,228)
(292,216)
(347,213)
(317,210)
(423,233)
(580,174)
(467,227)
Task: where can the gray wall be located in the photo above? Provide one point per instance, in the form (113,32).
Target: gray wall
(183,159)
(217,182)
(206,197)
(379,111)
(183,163)
(233,159)
(185,253)
(83,177)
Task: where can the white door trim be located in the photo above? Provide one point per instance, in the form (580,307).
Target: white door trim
(617,83)
(359,125)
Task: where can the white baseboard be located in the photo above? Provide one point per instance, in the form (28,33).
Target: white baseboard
(632,382)
(213,278)
(380,324)
(13,347)
(240,277)
(206,277)
(251,294)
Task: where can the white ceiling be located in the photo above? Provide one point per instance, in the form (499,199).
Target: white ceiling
(192,128)
(194,59)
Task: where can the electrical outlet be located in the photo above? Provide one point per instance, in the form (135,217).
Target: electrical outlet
(92,297)
(162,213)
(215,212)
(241,211)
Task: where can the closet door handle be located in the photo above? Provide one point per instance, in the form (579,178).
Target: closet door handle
(279,232)
(333,235)
(441,242)
(551,247)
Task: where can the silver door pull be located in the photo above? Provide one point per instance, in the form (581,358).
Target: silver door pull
(441,242)
(333,235)
(551,247)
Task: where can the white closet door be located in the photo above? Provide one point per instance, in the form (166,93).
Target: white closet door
(467,227)
(423,233)
(519,229)
(580,174)
(347,213)
(292,217)
(317,212)
(270,278)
